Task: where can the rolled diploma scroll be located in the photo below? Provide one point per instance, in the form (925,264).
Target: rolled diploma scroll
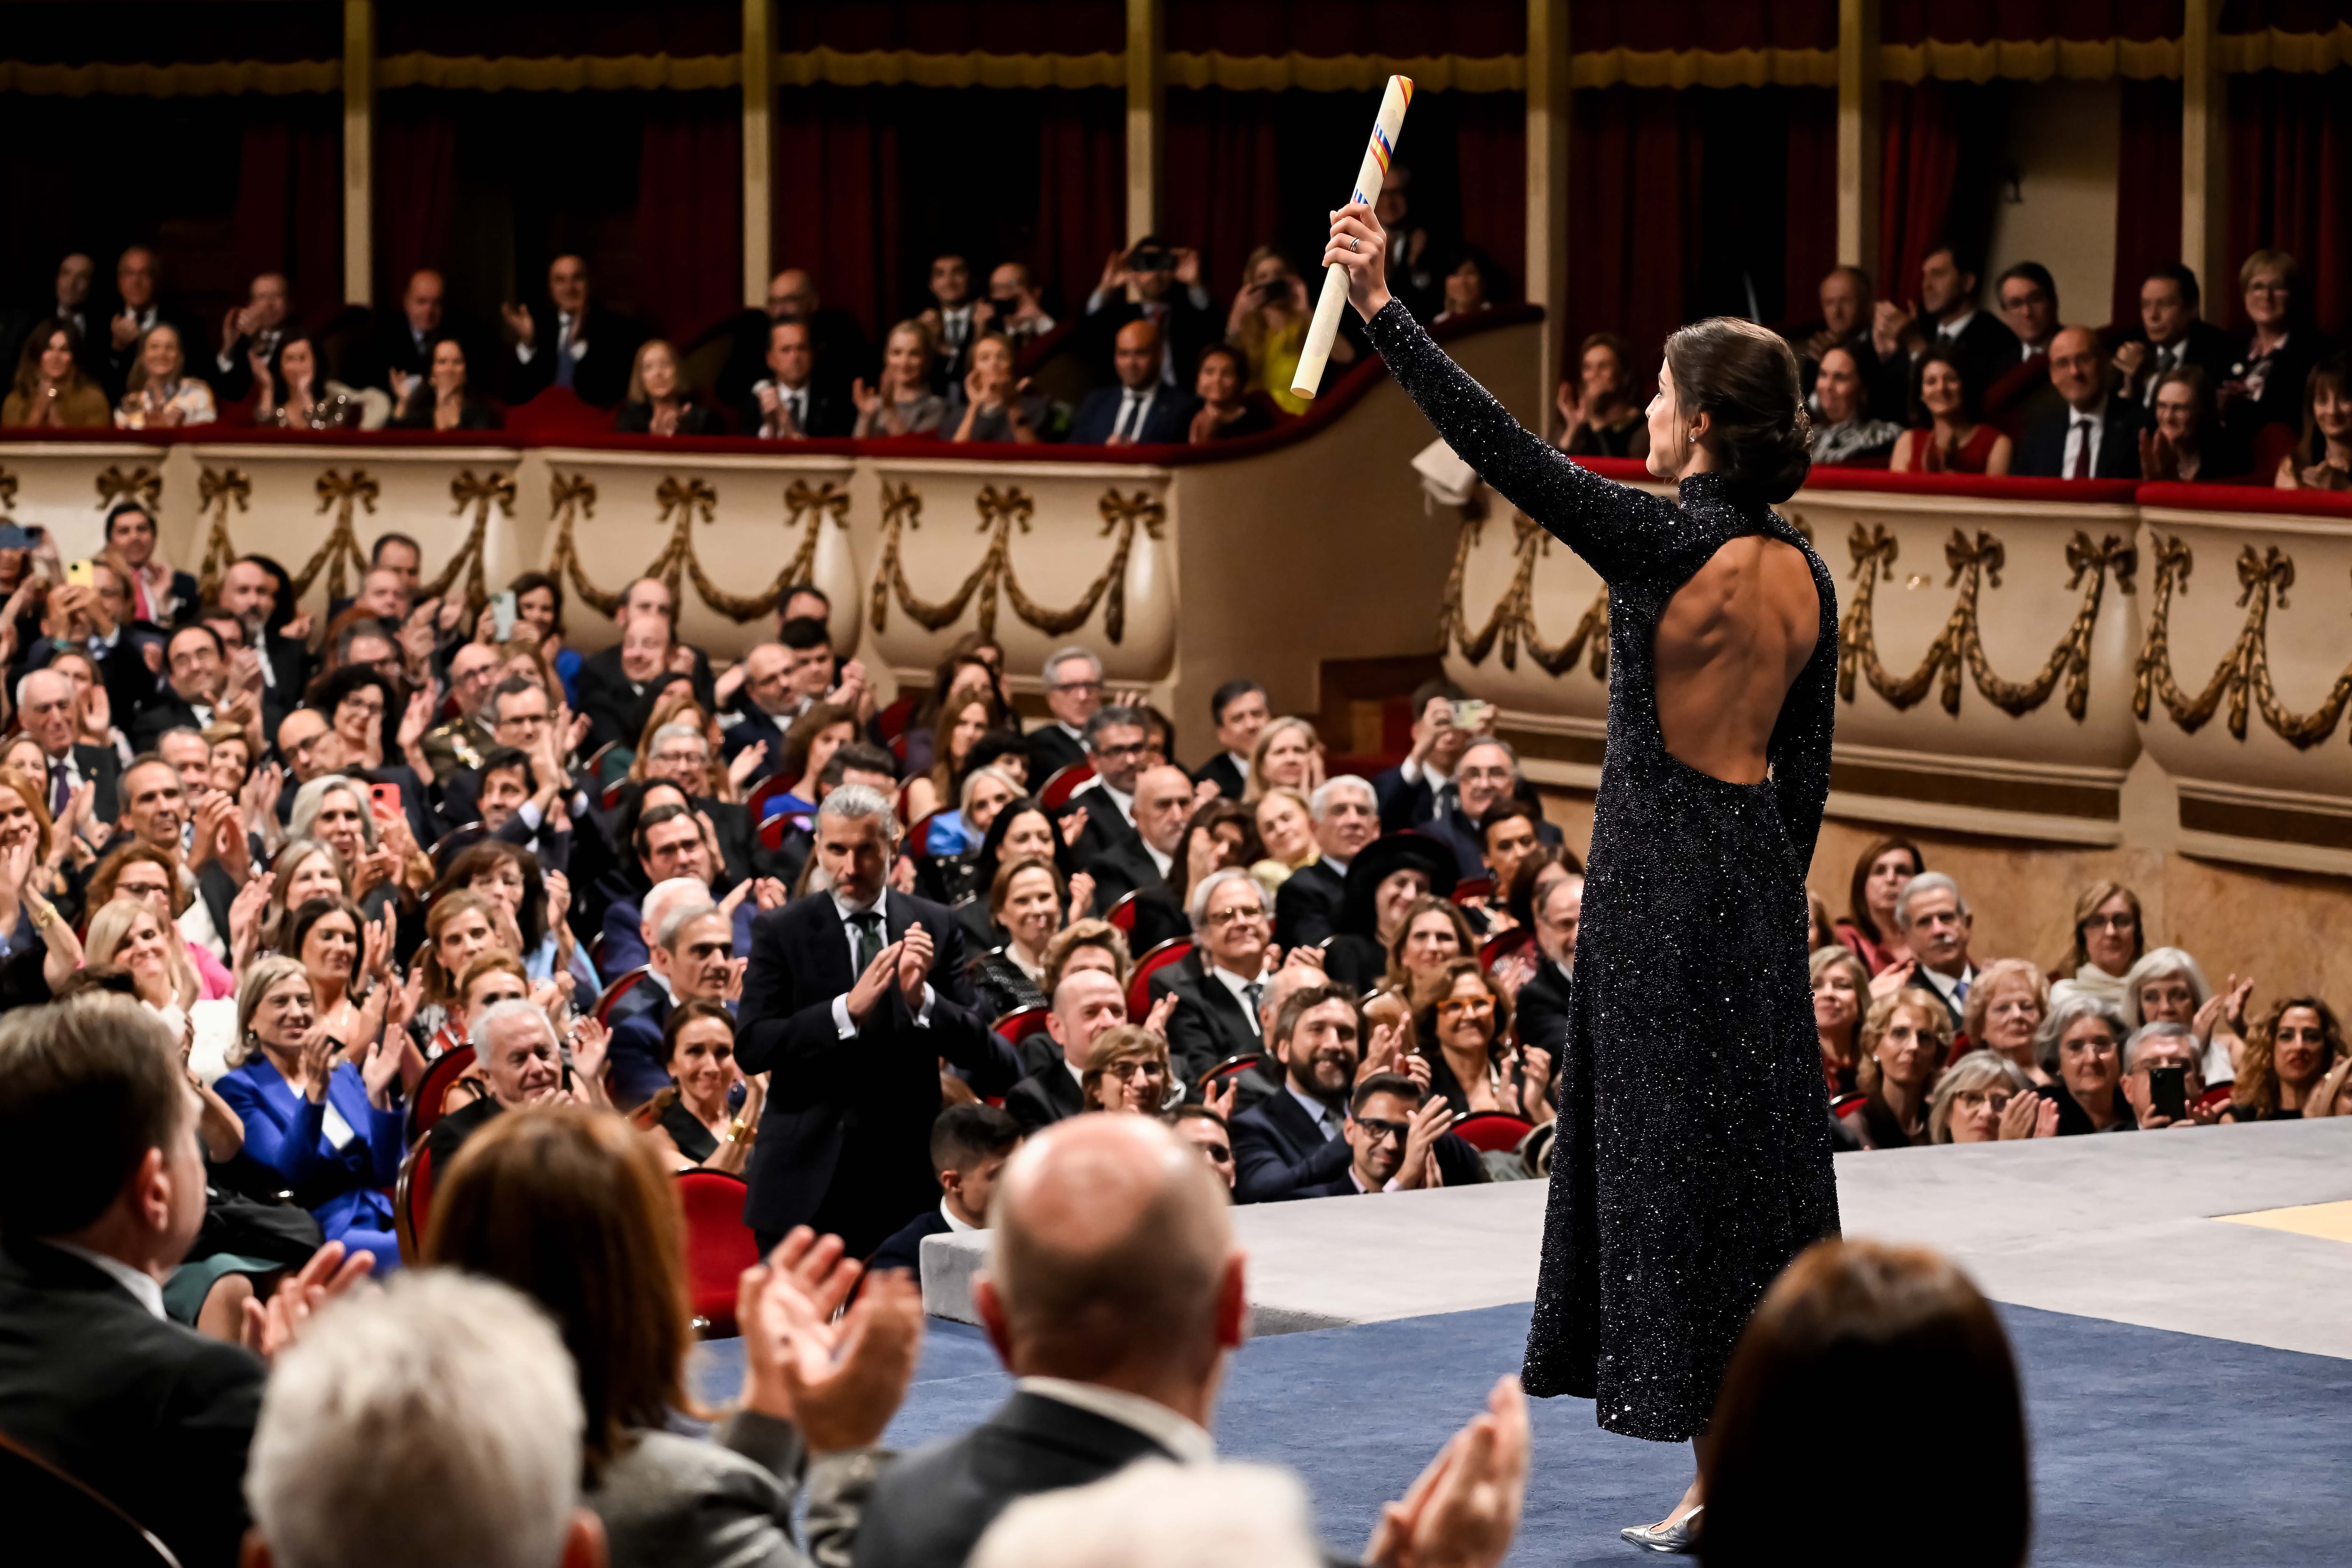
(1386,129)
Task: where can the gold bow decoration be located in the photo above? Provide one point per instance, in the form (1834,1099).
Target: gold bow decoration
(497,489)
(1513,617)
(142,484)
(217,490)
(814,503)
(2243,674)
(1975,563)
(995,580)
(345,493)
(571,496)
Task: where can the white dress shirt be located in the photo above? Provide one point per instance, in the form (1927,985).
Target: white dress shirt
(1186,1439)
(563,320)
(141,1285)
(1134,412)
(2083,428)
(791,413)
(1238,984)
(955,1226)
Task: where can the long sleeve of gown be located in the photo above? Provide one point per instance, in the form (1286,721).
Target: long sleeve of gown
(1627,534)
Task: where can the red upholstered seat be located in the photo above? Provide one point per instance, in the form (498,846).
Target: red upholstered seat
(557,411)
(919,838)
(892,721)
(1064,783)
(1230,1067)
(1502,944)
(1139,991)
(1471,887)
(719,1247)
(1122,913)
(424,1106)
(767,789)
(412,1203)
(1022,1022)
(1491,1131)
(618,989)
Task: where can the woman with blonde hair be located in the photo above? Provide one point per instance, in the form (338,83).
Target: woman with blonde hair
(1905,1038)
(1268,324)
(306,869)
(2168,986)
(962,719)
(142,872)
(1985,1097)
(1285,826)
(1433,933)
(161,395)
(659,402)
(2108,938)
(2004,1012)
(1840,991)
(1289,752)
(127,933)
(902,403)
(1127,1070)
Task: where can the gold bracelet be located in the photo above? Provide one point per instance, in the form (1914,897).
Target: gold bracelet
(45,914)
(739,1132)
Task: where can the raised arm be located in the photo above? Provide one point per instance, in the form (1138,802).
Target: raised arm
(1622,531)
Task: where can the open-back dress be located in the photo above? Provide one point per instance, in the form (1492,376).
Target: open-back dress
(1692,1159)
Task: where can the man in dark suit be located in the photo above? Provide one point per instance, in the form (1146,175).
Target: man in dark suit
(166,598)
(1086,1003)
(1486,776)
(1398,1143)
(1114,1270)
(1074,690)
(2172,336)
(69,305)
(260,327)
(693,945)
(195,694)
(1291,1141)
(1142,410)
(1347,816)
(138,310)
(1220,983)
(1159,284)
(1238,710)
(250,592)
(44,704)
(613,678)
(1418,788)
(495,796)
(1948,316)
(1141,862)
(570,341)
(399,345)
(94,1377)
(1115,740)
(671,851)
(1935,922)
(842,355)
(789,404)
(1541,1011)
(854,994)
(970,1144)
(2096,434)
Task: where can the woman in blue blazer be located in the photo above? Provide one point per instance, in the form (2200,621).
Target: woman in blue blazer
(330,1129)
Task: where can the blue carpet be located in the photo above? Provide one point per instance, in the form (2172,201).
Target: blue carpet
(2150,1449)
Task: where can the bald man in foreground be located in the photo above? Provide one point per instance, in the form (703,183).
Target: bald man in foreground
(1114,1293)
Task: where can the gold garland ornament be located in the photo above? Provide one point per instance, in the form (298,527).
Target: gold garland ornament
(571,496)
(217,490)
(481,494)
(345,493)
(802,500)
(142,484)
(2245,669)
(1001,511)
(1960,645)
(1513,617)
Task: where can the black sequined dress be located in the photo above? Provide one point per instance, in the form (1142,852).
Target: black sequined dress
(1693,1154)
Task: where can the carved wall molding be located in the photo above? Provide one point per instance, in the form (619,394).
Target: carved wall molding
(142,484)
(995,578)
(1513,620)
(1976,560)
(2244,672)
(681,503)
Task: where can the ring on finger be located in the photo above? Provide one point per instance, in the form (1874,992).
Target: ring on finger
(1351,242)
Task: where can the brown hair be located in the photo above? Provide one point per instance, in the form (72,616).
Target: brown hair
(1424,1018)
(2258,1081)
(2086,904)
(86,1087)
(1743,377)
(1086,933)
(1848,1315)
(2335,371)
(1398,979)
(36,343)
(1120,1043)
(440,985)
(31,793)
(100,891)
(1001,886)
(800,739)
(1935,1022)
(1858,897)
(572,1208)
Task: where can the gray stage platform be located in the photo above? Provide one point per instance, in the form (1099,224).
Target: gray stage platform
(2119,1228)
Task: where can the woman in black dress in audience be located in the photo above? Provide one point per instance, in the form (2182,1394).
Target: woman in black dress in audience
(1023,829)
(659,402)
(694,1115)
(1026,900)
(442,398)
(1905,1040)
(1462,1033)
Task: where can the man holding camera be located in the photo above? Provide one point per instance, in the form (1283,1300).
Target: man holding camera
(1152,282)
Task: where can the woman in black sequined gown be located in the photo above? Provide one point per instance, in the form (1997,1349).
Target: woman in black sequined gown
(1693,1160)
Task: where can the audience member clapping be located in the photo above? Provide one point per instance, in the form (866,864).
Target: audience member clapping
(1128,1071)
(1935,925)
(2289,1054)
(523,1064)
(2322,460)
(1465,1030)
(659,402)
(902,401)
(2180,445)
(2082,1047)
(787,404)
(1906,1037)
(987,404)
(2168,986)
(1983,1097)
(1600,413)
(1027,901)
(2268,370)
(51,390)
(161,395)
(576,1210)
(291,391)
(1229,409)
(2096,433)
(1949,434)
(443,399)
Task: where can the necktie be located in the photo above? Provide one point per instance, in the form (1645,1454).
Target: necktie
(2080,469)
(60,789)
(563,360)
(1961,992)
(868,927)
(799,403)
(1131,415)
(1251,992)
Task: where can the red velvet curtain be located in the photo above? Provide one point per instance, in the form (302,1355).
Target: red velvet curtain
(1935,176)
(2290,188)
(837,184)
(1221,179)
(690,216)
(1636,165)
(415,173)
(289,216)
(1081,193)
(2148,194)
(1808,243)
(1490,170)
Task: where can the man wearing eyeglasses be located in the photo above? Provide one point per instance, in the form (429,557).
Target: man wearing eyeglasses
(1086,1003)
(1074,689)
(465,739)
(1398,1143)
(1117,740)
(1219,984)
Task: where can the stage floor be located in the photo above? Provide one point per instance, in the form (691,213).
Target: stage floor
(2176,1301)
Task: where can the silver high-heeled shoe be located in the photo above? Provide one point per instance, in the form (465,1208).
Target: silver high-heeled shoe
(1680,1538)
